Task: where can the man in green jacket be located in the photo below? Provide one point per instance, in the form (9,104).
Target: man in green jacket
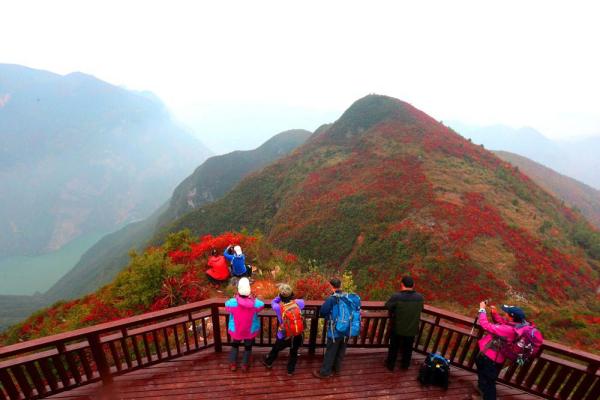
(405,311)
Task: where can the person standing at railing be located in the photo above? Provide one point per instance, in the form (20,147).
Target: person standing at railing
(405,313)
(244,323)
(339,310)
(290,332)
(490,359)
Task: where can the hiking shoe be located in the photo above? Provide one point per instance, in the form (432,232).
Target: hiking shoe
(264,362)
(317,374)
(233,367)
(245,367)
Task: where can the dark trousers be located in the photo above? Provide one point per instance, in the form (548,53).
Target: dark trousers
(235,345)
(294,343)
(334,355)
(487,372)
(400,343)
(215,281)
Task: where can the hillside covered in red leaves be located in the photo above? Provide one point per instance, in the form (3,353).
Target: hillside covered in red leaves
(384,191)
(387,190)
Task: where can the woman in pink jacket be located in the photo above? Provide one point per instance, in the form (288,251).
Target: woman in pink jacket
(489,360)
(244,323)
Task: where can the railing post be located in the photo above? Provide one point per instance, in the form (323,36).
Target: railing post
(100,358)
(216,321)
(314,326)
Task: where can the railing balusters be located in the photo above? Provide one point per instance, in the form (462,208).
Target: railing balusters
(204,333)
(8,384)
(194,330)
(558,381)
(438,338)
(147,348)
(22,381)
(535,373)
(57,360)
(571,384)
(547,376)
(594,393)
(382,329)
(48,374)
(35,377)
(115,355)
(125,348)
(216,327)
(456,347)
(73,367)
(167,344)
(157,344)
(584,386)
(374,329)
(176,336)
(82,353)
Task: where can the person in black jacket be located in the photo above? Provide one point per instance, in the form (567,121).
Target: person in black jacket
(405,311)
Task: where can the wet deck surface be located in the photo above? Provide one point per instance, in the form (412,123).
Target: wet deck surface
(206,375)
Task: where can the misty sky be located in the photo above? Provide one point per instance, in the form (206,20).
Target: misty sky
(237,72)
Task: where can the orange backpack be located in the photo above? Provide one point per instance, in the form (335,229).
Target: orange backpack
(293,323)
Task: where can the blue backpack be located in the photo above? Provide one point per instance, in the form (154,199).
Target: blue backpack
(345,315)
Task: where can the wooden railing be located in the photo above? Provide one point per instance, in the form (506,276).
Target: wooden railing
(42,367)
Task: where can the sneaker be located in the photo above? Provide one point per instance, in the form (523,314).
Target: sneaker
(290,373)
(388,366)
(264,362)
(233,367)
(245,367)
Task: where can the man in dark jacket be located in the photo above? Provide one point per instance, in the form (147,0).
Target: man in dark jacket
(405,310)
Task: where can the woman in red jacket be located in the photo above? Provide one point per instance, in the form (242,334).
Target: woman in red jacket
(218,271)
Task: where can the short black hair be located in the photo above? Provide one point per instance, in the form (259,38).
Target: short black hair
(408,282)
(335,282)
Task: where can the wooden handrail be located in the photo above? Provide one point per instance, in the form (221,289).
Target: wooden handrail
(45,366)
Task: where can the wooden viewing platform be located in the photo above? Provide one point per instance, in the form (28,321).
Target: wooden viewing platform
(206,375)
(180,353)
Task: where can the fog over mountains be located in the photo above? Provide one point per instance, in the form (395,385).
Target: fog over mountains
(79,155)
(577,158)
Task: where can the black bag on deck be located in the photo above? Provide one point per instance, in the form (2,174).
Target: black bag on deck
(435,371)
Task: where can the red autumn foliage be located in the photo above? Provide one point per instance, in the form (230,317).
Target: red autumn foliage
(314,287)
(206,243)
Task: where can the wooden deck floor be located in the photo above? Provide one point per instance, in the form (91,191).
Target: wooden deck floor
(206,375)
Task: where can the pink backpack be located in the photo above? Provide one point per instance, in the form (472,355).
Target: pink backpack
(525,346)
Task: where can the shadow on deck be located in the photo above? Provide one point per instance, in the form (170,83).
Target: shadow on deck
(205,375)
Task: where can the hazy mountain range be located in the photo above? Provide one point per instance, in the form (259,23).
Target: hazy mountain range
(577,158)
(103,261)
(79,155)
(574,193)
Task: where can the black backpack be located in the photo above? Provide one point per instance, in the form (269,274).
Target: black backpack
(435,371)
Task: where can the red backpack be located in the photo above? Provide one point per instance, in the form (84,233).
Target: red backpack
(293,323)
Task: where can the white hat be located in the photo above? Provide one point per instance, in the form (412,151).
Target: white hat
(238,250)
(244,287)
